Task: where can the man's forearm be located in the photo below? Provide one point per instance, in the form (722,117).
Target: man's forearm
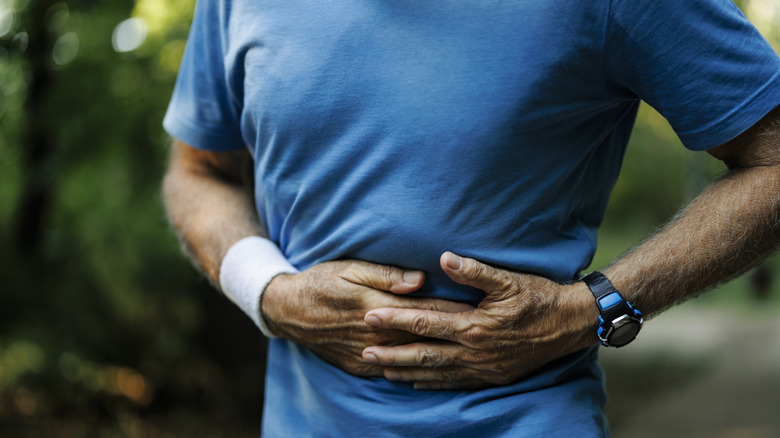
(730,227)
(207,204)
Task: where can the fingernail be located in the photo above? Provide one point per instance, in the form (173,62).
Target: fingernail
(372,320)
(453,262)
(412,277)
(369,358)
(392,375)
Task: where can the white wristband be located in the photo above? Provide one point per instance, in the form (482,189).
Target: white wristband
(249,265)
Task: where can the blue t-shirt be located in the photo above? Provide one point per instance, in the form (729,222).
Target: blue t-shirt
(394,131)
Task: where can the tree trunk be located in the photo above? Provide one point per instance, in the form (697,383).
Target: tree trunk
(37,180)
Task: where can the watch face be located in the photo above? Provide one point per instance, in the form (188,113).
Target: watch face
(624,333)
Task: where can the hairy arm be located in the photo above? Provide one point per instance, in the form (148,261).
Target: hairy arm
(729,228)
(206,199)
(526,321)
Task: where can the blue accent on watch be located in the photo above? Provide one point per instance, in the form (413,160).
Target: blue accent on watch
(610,300)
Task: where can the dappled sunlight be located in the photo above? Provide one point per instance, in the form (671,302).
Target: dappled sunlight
(170,55)
(65,49)
(161,16)
(7,18)
(129,35)
(765,15)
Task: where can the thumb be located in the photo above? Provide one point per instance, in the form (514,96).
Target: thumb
(383,277)
(474,273)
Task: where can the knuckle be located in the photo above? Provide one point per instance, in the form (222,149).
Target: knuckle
(474,336)
(388,275)
(474,270)
(420,325)
(431,358)
(445,330)
(506,282)
(423,358)
(445,374)
(430,305)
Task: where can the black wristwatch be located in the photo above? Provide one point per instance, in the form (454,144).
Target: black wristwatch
(619,322)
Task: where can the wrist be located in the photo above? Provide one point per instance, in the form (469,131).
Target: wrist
(585,315)
(272,304)
(247,269)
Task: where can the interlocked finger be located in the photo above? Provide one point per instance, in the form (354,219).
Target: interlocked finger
(383,277)
(431,324)
(426,355)
(433,304)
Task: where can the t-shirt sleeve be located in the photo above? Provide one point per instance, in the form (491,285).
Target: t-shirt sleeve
(203,111)
(699,63)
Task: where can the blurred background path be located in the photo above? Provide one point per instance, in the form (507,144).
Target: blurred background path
(698,371)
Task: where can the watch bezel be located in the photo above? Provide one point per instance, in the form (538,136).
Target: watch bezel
(615,312)
(617,324)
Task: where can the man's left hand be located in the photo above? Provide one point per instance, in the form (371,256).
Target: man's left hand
(524,322)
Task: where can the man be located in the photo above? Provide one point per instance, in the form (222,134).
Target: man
(431,176)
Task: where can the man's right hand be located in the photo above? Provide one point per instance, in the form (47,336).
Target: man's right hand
(322,308)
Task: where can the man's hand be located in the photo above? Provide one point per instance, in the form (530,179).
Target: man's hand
(323,309)
(524,322)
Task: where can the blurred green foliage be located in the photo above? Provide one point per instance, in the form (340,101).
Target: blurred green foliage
(105,329)
(102,320)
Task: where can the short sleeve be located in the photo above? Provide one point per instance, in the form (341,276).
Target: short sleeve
(203,112)
(700,63)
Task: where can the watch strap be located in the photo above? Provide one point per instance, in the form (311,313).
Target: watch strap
(611,303)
